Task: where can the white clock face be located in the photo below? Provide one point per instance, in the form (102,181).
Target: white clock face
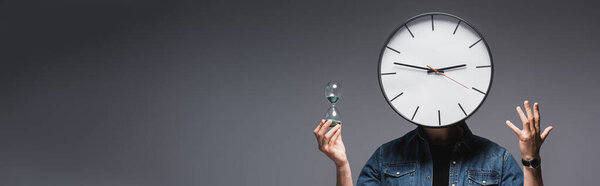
(435,70)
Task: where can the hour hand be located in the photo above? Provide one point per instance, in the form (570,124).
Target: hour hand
(447,68)
(411,66)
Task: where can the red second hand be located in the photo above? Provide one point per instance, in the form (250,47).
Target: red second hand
(446,76)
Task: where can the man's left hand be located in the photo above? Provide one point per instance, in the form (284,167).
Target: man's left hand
(530,139)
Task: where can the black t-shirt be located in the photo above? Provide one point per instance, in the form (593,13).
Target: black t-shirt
(441,163)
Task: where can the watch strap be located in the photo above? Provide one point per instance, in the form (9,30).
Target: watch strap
(533,163)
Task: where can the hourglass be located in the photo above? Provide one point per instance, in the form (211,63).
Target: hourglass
(332,92)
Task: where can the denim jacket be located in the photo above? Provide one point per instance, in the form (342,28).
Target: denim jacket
(407,161)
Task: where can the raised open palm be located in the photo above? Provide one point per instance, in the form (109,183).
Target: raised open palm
(530,138)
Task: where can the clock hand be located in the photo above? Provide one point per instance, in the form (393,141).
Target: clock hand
(446,68)
(412,66)
(438,72)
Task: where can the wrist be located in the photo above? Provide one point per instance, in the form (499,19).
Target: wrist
(530,156)
(342,164)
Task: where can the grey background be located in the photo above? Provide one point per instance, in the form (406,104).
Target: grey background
(136,92)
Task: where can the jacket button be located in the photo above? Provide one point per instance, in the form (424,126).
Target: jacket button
(453,162)
(483,182)
(397,172)
(428,177)
(453,184)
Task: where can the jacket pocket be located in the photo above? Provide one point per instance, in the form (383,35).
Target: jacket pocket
(483,177)
(400,174)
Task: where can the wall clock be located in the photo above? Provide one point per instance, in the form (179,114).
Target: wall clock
(435,70)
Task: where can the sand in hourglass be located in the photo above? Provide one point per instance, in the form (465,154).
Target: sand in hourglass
(333,99)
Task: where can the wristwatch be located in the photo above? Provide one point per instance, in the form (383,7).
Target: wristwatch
(533,163)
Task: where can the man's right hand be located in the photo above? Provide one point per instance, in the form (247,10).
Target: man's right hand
(330,143)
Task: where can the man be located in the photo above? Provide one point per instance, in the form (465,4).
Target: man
(443,156)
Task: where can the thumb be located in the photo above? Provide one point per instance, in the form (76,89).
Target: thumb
(546,132)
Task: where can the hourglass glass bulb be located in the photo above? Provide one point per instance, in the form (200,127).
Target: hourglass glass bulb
(334,115)
(333,92)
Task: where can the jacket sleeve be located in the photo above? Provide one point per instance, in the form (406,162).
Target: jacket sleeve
(511,171)
(370,173)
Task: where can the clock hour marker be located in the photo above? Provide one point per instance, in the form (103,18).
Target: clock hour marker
(456,27)
(388,73)
(461,108)
(431,22)
(439,118)
(392,49)
(397,96)
(411,34)
(478,90)
(475,43)
(415,113)
(483,66)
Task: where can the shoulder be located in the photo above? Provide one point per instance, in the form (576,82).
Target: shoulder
(400,142)
(486,148)
(486,144)
(400,149)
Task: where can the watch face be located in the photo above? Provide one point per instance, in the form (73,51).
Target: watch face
(435,70)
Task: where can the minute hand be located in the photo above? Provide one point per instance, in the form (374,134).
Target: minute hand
(412,66)
(446,68)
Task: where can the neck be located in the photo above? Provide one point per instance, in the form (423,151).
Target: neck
(443,136)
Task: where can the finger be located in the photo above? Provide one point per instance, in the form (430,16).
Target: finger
(330,133)
(514,128)
(546,132)
(320,133)
(529,115)
(536,116)
(318,127)
(324,127)
(336,135)
(526,126)
(327,137)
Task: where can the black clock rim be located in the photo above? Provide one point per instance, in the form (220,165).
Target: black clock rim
(412,19)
